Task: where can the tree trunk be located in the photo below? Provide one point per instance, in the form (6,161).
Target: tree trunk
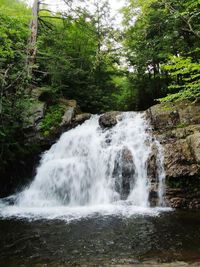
(32,49)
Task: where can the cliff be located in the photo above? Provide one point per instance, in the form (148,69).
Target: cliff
(177,127)
(44,120)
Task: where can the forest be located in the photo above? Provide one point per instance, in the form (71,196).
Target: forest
(153,56)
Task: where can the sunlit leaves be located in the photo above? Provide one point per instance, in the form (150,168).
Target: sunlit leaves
(185,74)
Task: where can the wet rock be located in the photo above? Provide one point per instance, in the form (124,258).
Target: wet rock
(68,116)
(127,164)
(123,173)
(178,203)
(153,195)
(152,173)
(108,119)
(185,196)
(152,164)
(81,118)
(177,127)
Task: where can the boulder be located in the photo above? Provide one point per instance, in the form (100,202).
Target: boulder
(123,173)
(128,169)
(33,115)
(163,117)
(169,115)
(152,164)
(194,144)
(68,116)
(152,173)
(81,118)
(179,161)
(108,119)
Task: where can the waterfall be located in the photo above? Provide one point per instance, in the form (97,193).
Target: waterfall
(89,166)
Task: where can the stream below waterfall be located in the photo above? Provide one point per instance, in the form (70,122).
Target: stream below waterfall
(90,203)
(101,241)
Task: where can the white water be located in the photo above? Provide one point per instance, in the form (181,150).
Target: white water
(77,177)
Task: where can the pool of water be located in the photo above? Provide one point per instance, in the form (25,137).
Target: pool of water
(101,240)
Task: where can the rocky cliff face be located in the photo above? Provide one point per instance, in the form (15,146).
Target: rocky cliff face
(43,122)
(177,127)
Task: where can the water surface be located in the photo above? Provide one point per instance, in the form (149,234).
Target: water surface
(101,240)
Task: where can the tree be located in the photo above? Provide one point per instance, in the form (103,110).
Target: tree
(14,18)
(162,28)
(185,79)
(75,57)
(32,47)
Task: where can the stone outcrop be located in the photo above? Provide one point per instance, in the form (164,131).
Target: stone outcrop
(35,115)
(177,127)
(108,119)
(35,140)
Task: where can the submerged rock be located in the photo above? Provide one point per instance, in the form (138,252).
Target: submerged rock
(108,119)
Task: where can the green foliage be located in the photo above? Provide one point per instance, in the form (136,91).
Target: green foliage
(13,39)
(181,125)
(75,59)
(162,28)
(71,54)
(52,119)
(124,97)
(185,79)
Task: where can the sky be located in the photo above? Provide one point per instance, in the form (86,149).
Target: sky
(114,4)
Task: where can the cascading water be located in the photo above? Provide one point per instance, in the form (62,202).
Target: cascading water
(89,167)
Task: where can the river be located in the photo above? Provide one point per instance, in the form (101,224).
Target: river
(101,240)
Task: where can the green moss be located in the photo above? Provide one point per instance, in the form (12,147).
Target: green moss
(52,119)
(181,125)
(164,107)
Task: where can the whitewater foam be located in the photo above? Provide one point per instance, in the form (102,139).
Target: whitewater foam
(76,178)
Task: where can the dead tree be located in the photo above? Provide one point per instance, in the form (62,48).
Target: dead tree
(32,47)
